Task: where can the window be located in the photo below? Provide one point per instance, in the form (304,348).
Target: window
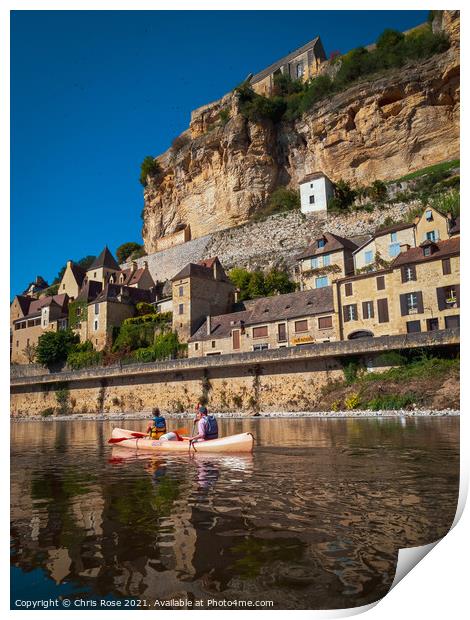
(96,326)
(312,199)
(326,260)
(427,251)
(321,281)
(63,286)
(301,326)
(311,185)
(97,308)
(412,302)
(213,344)
(260,347)
(446,268)
(428,215)
(321,243)
(348,289)
(181,309)
(236,339)
(350,312)
(394,250)
(94,275)
(300,69)
(432,324)
(314,263)
(380,283)
(17,343)
(260,332)
(413,326)
(367,309)
(368,257)
(432,235)
(281,332)
(181,291)
(196,346)
(452,321)
(393,237)
(408,273)
(325,322)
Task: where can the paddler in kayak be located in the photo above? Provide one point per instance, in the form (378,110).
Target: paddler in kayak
(207,427)
(157,427)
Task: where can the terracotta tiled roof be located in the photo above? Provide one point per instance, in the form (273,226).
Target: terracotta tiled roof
(38,304)
(312,176)
(269,309)
(130,277)
(332,244)
(416,255)
(393,228)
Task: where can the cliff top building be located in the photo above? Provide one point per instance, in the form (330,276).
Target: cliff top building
(301,64)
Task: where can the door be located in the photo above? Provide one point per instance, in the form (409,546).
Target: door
(281,332)
(236,339)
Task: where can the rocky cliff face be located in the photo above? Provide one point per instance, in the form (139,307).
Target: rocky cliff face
(382,128)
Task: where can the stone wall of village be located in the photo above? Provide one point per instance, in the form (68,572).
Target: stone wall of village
(289,379)
(274,241)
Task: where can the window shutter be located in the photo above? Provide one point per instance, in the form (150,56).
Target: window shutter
(371,309)
(403,274)
(446,266)
(413,271)
(441,298)
(403,305)
(380,283)
(457,294)
(345,314)
(354,311)
(364,310)
(382,309)
(419,299)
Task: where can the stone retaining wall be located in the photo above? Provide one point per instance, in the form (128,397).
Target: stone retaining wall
(289,379)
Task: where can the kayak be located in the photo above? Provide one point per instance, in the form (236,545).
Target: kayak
(233,443)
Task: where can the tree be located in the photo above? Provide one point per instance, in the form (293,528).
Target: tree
(148,168)
(253,284)
(389,38)
(125,250)
(53,347)
(278,282)
(30,352)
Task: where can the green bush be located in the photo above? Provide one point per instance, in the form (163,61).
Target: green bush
(224,116)
(62,395)
(166,346)
(281,200)
(132,337)
(352,401)
(252,284)
(392,402)
(344,196)
(148,168)
(447,202)
(125,250)
(84,359)
(144,308)
(53,347)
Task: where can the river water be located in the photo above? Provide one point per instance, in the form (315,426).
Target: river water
(312,520)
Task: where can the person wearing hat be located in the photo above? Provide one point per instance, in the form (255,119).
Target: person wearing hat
(157,427)
(206,425)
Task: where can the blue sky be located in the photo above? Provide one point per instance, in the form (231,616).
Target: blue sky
(93,92)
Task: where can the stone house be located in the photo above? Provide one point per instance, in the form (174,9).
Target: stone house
(72,280)
(301,64)
(35,317)
(200,289)
(326,259)
(419,292)
(108,310)
(316,190)
(35,288)
(293,319)
(387,243)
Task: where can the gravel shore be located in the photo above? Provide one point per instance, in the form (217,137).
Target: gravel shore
(399,413)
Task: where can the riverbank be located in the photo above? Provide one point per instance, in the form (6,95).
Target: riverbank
(111,417)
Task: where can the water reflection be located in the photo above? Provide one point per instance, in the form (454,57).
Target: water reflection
(313,519)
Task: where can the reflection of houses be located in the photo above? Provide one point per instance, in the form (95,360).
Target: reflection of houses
(301,64)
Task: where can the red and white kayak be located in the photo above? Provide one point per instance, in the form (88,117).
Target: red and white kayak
(233,443)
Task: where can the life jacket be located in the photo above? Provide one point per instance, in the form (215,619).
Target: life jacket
(158,428)
(211,428)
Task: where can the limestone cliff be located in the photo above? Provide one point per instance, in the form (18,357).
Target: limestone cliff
(218,174)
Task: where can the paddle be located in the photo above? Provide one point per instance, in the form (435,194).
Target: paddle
(137,435)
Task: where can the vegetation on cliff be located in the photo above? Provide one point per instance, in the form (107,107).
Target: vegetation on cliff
(149,168)
(292,98)
(252,284)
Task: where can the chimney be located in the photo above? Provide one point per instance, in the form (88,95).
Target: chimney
(404,247)
(69,263)
(208,324)
(133,266)
(145,263)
